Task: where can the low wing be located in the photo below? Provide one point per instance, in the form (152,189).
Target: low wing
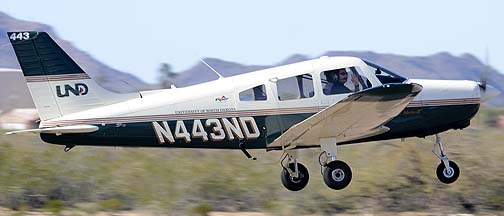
(58,130)
(360,115)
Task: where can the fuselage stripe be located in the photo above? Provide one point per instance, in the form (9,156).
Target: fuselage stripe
(262,112)
(460,101)
(185,116)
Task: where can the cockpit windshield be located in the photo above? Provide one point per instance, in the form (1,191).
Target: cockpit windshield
(384,75)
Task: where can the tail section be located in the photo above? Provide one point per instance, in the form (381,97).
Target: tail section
(57,84)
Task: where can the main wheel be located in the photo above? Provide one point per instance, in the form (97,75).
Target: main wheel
(337,175)
(295,184)
(450,175)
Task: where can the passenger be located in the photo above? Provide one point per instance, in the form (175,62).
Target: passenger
(359,82)
(330,82)
(336,80)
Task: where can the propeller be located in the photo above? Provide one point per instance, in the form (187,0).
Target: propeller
(487,92)
(484,75)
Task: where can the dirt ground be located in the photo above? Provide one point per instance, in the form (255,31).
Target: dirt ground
(5,211)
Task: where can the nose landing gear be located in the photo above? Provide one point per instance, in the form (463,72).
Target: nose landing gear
(447,171)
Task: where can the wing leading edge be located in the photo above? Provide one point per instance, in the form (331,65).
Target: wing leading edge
(360,115)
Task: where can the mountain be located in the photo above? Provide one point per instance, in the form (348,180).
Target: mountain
(106,76)
(14,93)
(13,90)
(441,65)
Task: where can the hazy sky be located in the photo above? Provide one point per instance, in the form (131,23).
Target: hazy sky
(136,36)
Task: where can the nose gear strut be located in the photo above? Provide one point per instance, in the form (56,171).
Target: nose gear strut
(447,171)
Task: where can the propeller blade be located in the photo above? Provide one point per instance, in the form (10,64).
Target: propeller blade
(484,74)
(488,93)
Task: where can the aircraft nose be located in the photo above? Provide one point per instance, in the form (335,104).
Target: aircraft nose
(488,93)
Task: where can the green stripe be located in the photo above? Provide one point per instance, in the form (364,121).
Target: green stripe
(420,121)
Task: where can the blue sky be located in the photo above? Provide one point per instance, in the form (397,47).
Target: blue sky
(136,36)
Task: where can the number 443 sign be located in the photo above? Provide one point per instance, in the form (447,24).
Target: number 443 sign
(19,36)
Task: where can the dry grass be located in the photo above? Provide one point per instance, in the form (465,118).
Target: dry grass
(389,176)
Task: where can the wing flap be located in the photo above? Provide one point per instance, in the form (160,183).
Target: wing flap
(360,115)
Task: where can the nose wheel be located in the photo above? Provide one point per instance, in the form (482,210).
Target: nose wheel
(448,175)
(447,171)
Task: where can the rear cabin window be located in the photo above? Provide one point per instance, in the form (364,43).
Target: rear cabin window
(343,80)
(297,87)
(257,93)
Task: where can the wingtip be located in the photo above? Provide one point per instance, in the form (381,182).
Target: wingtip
(416,88)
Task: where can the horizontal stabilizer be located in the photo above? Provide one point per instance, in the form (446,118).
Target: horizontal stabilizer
(58,130)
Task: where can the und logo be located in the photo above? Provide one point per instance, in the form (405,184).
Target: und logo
(77,90)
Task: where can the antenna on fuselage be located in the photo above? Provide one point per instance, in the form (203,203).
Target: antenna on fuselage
(211,68)
(130,85)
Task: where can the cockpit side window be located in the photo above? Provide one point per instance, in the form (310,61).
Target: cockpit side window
(343,80)
(296,87)
(257,93)
(384,75)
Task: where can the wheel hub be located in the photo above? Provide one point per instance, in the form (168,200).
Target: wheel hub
(448,173)
(338,175)
(296,180)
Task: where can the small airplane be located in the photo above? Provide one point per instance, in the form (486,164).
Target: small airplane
(319,103)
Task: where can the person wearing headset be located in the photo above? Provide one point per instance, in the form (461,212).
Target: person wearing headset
(336,80)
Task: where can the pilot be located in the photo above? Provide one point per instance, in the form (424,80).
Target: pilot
(336,80)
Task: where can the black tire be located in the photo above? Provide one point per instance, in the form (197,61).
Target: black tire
(295,184)
(446,177)
(337,175)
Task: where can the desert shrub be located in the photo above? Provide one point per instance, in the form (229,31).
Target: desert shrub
(54,206)
(404,198)
(111,205)
(201,209)
(494,202)
(19,199)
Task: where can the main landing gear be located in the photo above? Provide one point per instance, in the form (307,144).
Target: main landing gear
(447,171)
(294,176)
(336,174)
